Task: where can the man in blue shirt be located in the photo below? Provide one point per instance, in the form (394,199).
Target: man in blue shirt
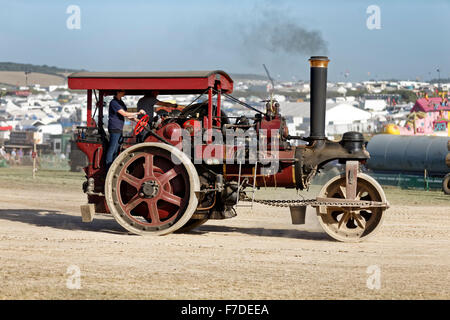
(117,114)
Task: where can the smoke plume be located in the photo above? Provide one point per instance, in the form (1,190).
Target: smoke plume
(275,34)
(294,39)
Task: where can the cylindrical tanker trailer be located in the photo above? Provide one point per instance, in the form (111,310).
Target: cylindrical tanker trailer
(410,155)
(198,164)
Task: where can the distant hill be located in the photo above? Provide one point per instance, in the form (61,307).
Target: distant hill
(11,66)
(18,79)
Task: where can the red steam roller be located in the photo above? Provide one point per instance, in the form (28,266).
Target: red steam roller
(199,164)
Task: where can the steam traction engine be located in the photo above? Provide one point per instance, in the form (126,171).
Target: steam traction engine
(155,187)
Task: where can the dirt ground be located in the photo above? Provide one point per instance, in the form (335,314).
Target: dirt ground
(257,255)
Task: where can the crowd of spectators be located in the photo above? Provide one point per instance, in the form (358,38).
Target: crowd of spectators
(13,158)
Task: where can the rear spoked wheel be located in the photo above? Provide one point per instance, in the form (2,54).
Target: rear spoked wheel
(350,224)
(150,189)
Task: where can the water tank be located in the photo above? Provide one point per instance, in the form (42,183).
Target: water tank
(408,154)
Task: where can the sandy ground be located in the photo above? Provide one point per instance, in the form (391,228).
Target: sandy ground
(257,255)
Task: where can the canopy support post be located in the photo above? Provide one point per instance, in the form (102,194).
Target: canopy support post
(210,107)
(100,109)
(89,108)
(219,114)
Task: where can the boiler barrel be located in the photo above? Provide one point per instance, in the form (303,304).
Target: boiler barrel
(408,154)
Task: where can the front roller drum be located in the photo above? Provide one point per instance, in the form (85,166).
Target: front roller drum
(349,224)
(150,189)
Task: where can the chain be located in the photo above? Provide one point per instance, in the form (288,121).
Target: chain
(316,203)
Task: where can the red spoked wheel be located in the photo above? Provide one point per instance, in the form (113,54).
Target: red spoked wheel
(141,124)
(150,189)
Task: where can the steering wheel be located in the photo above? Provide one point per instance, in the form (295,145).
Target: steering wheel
(142,123)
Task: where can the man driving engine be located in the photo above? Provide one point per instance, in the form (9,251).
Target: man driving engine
(147,104)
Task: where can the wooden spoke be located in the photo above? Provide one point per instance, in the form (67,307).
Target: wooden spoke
(343,191)
(344,219)
(133,203)
(148,165)
(171,198)
(153,212)
(131,180)
(360,221)
(360,192)
(167,176)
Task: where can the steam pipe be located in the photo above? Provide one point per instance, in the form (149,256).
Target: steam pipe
(318,84)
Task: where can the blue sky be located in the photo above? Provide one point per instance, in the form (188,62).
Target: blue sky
(200,35)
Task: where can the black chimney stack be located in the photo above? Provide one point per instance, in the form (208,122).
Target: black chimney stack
(318,87)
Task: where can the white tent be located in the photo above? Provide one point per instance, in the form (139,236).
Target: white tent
(11,106)
(53,128)
(376,105)
(345,117)
(345,113)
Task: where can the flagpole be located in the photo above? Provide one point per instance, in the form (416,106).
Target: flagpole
(34,159)
(439,79)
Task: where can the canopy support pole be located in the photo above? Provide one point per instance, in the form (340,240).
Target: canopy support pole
(100,109)
(219,114)
(89,108)
(210,107)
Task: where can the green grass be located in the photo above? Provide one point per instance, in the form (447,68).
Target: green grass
(23,176)
(397,196)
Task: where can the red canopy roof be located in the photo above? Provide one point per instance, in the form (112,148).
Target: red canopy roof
(164,82)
